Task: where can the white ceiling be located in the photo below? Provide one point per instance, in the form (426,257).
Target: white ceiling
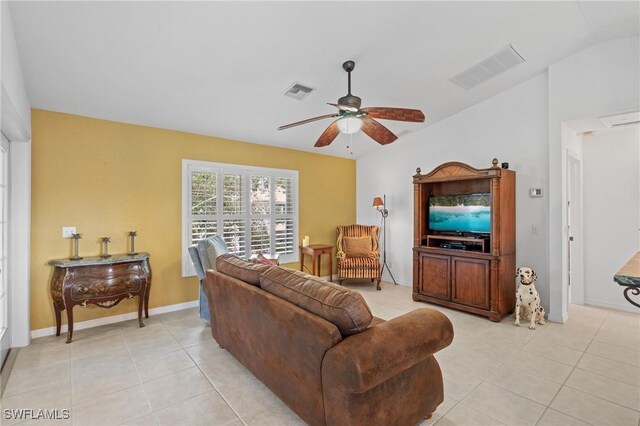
(221,68)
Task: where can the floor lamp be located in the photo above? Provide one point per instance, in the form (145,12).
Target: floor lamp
(381,205)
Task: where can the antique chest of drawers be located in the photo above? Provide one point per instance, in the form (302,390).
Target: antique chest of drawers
(102,282)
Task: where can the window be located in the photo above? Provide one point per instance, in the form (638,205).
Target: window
(254,209)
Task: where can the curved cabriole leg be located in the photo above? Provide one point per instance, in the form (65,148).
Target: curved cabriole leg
(69,323)
(58,319)
(378,285)
(146,300)
(141,299)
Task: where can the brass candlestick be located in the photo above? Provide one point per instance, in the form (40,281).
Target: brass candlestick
(104,242)
(132,238)
(75,238)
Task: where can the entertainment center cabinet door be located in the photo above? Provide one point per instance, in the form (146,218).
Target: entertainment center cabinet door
(434,276)
(471,281)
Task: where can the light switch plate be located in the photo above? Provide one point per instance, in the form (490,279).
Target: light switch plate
(535,192)
(67,231)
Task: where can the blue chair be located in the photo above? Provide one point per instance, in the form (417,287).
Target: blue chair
(203,255)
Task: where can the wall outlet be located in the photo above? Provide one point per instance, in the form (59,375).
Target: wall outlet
(67,231)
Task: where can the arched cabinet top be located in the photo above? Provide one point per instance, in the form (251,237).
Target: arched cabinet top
(455,170)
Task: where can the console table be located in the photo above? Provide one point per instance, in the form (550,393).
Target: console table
(316,251)
(629,277)
(102,281)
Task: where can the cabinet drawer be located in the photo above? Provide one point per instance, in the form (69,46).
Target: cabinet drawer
(97,282)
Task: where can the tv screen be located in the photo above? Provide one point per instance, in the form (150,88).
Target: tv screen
(460,213)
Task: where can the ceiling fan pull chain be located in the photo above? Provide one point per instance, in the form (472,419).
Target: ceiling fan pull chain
(350,143)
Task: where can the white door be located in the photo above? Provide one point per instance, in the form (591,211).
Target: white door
(5,337)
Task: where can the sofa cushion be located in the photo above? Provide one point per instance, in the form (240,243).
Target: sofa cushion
(344,308)
(357,246)
(248,272)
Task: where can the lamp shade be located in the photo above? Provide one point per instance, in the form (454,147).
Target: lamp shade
(378,203)
(349,124)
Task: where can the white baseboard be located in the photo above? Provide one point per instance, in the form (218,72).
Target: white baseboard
(618,307)
(562,318)
(50,331)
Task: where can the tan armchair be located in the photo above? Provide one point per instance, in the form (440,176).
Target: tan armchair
(358,253)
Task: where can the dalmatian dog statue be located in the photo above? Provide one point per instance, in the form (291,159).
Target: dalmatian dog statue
(528,299)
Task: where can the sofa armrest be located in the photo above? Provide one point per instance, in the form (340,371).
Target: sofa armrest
(371,357)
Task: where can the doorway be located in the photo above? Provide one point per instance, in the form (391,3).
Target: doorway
(575,273)
(5,330)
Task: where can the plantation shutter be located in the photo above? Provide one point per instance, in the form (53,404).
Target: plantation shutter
(284,215)
(234,213)
(261,214)
(253,209)
(203,205)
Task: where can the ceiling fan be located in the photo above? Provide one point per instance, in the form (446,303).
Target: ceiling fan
(351,118)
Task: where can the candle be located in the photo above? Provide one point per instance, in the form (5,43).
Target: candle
(305,241)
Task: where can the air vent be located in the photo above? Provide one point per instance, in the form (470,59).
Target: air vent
(502,60)
(298,91)
(623,119)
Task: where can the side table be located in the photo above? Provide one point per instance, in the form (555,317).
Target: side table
(629,277)
(103,282)
(316,251)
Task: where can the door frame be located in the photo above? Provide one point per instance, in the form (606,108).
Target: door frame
(574,270)
(5,296)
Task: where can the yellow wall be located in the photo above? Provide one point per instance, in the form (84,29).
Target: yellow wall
(107,178)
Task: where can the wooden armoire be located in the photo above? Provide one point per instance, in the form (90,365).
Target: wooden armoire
(468,271)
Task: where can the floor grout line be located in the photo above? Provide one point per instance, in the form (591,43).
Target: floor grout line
(221,395)
(471,339)
(215,388)
(569,376)
(144,392)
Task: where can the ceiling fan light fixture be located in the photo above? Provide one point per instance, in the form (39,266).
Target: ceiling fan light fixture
(350,125)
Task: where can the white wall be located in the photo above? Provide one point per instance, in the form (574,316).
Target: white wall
(15,123)
(601,80)
(523,126)
(611,176)
(14,100)
(511,126)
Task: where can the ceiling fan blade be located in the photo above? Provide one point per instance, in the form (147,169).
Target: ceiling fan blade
(398,114)
(328,135)
(344,107)
(377,131)
(309,120)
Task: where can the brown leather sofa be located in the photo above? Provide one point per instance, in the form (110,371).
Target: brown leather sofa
(316,345)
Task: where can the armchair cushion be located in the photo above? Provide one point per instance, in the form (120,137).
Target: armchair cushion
(361,263)
(357,246)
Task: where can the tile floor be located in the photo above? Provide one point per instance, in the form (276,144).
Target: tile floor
(171,372)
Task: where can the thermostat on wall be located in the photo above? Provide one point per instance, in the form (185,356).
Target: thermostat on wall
(535,192)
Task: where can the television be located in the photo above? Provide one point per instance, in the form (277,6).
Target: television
(460,213)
